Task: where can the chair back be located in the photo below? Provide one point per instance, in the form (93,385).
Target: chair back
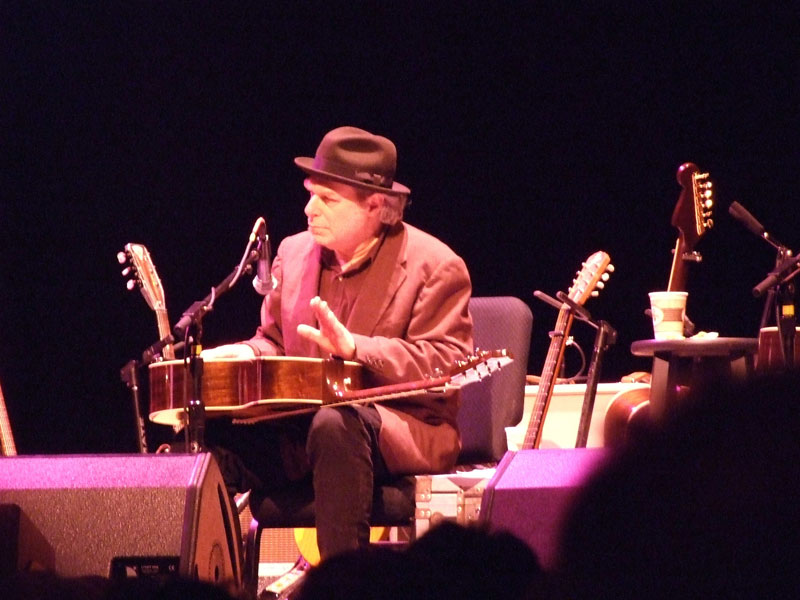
(491,405)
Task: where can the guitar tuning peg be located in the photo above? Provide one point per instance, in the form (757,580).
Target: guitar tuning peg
(121,257)
(600,285)
(595,294)
(605,276)
(610,268)
(126,271)
(131,284)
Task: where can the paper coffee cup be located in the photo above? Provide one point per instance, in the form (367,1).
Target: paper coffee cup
(668,309)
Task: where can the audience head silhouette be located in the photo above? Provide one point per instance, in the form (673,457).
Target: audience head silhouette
(450,561)
(703,507)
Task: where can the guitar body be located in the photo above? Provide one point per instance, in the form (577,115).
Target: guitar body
(627,413)
(243,389)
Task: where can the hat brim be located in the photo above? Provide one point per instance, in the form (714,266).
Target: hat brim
(306,163)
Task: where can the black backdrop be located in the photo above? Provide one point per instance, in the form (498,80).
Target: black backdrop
(530,137)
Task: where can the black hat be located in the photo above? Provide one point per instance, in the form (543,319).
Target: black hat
(355,157)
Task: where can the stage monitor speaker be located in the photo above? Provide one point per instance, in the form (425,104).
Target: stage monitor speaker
(121,516)
(530,493)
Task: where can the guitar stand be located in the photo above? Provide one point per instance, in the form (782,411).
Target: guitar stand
(194,433)
(130,376)
(574,309)
(606,336)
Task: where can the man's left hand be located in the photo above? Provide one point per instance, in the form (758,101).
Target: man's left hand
(332,336)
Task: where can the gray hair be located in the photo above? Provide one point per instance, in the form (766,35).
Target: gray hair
(393,207)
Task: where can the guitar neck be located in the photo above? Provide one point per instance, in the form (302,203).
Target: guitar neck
(555,356)
(168,352)
(389,392)
(677,274)
(7,447)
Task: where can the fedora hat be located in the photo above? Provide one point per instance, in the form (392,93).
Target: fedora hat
(355,157)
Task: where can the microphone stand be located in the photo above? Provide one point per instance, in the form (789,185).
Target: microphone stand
(778,285)
(130,376)
(190,328)
(780,298)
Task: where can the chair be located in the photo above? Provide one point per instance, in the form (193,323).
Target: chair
(487,408)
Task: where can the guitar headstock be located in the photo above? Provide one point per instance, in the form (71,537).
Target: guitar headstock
(591,278)
(692,214)
(480,364)
(143,275)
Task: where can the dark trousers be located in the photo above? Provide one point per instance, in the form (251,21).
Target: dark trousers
(335,452)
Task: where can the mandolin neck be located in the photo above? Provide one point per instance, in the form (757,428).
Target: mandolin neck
(163,331)
(555,356)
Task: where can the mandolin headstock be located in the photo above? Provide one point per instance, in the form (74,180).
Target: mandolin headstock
(142,273)
(594,272)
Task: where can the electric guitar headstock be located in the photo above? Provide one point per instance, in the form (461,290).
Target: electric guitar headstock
(692,217)
(692,214)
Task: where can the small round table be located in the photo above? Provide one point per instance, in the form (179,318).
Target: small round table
(678,362)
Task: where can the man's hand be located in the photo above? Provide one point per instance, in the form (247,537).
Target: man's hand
(332,336)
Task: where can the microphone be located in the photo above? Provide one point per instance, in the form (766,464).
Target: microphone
(262,282)
(741,214)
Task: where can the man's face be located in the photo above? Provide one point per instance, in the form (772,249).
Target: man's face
(340,217)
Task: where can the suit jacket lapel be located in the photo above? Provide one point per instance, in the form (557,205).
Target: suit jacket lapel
(380,285)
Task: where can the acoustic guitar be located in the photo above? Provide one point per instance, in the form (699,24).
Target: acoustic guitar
(271,387)
(692,217)
(7,447)
(586,284)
